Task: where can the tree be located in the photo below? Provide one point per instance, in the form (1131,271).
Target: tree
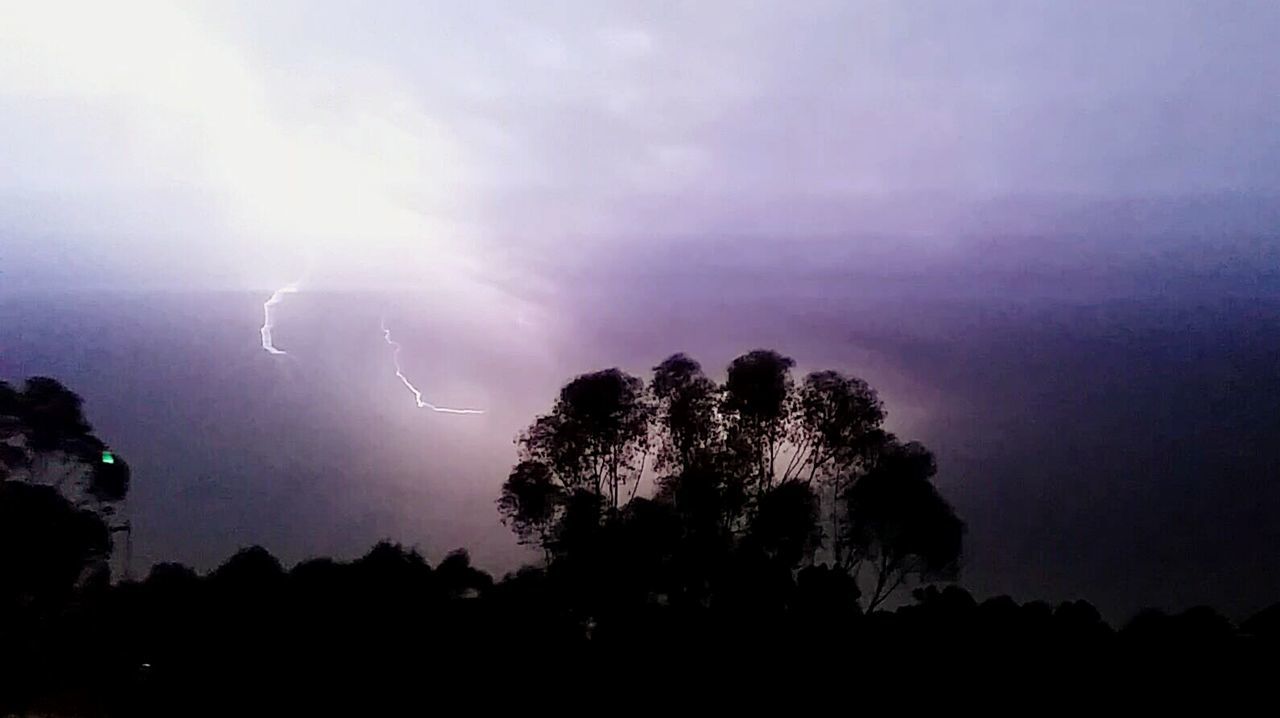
(596,438)
(689,429)
(594,443)
(250,569)
(785,526)
(757,407)
(707,505)
(61,485)
(897,522)
(459,578)
(1264,625)
(47,440)
(530,502)
(837,424)
(746,468)
(837,429)
(45,544)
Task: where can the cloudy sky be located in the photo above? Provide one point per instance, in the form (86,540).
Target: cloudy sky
(238,144)
(1044,229)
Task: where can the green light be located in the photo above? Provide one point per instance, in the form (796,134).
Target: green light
(108,457)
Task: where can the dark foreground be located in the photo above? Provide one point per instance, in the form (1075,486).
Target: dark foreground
(389,627)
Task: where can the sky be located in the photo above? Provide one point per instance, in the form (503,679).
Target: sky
(1045,230)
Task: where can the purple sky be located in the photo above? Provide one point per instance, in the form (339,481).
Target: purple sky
(239,144)
(1045,230)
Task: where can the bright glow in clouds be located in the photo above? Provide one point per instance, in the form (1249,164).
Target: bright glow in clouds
(267,323)
(417,395)
(334,160)
(295,177)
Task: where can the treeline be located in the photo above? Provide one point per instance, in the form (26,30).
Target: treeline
(695,493)
(179,643)
(682,525)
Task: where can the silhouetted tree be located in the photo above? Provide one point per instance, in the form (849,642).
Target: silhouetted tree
(785,526)
(166,576)
(898,525)
(1203,624)
(826,594)
(47,440)
(459,578)
(47,444)
(838,421)
(1264,624)
(689,429)
(743,470)
(1079,622)
(594,443)
(1148,627)
(531,501)
(250,569)
(837,429)
(757,409)
(45,544)
(705,504)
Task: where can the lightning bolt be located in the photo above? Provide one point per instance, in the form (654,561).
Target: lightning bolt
(417,395)
(267,323)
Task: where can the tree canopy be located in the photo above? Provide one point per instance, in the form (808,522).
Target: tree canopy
(687,528)
(59,487)
(754,475)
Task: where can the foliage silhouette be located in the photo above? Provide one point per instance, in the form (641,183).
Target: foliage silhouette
(59,488)
(250,632)
(45,544)
(587,451)
(739,478)
(898,524)
(699,563)
(686,406)
(48,440)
